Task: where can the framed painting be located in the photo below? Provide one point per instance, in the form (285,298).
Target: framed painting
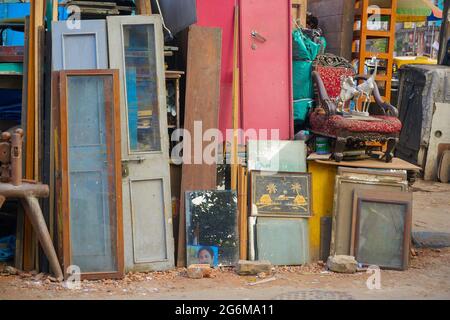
(381,228)
(343,204)
(90,196)
(212,228)
(276,155)
(280,194)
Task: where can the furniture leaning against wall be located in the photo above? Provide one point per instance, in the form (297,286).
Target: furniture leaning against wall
(350,132)
(12,186)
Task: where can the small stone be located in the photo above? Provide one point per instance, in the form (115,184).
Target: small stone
(39,276)
(262,275)
(252,268)
(342,264)
(11,271)
(198,271)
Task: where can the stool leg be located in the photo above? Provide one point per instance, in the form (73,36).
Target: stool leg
(34,212)
(2,201)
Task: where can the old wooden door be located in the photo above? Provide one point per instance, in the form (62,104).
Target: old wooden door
(266,64)
(80,48)
(136,48)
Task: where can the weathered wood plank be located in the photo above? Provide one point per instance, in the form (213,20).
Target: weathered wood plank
(202,104)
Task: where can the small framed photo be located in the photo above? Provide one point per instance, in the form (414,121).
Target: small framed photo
(203,255)
(280,194)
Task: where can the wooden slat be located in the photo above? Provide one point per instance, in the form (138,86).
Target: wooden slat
(202,104)
(235,116)
(243,212)
(143,7)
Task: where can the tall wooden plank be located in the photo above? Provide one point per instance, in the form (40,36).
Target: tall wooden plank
(202,104)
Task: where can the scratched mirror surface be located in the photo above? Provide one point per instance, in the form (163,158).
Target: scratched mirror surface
(142,88)
(381,234)
(91,158)
(211,228)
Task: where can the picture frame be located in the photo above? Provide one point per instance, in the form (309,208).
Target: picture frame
(377,219)
(280,194)
(343,205)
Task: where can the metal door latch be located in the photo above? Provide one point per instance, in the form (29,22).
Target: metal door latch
(257,36)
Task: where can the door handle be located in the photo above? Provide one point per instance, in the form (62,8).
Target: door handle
(125,169)
(257,36)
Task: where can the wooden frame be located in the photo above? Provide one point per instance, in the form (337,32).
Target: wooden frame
(396,175)
(115,175)
(401,198)
(342,222)
(281,175)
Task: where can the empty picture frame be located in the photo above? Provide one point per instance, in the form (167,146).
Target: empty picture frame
(212,221)
(276,155)
(280,194)
(343,205)
(381,228)
(90,173)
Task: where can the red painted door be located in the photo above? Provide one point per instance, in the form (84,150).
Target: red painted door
(266,66)
(220,14)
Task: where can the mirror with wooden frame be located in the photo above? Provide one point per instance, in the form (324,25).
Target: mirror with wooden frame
(381,228)
(90,193)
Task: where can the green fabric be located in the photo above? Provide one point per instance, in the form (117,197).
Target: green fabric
(302,79)
(305,51)
(301,109)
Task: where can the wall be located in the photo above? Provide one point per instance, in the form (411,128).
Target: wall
(336,20)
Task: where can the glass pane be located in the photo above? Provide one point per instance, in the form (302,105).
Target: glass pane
(142,89)
(381,230)
(91,160)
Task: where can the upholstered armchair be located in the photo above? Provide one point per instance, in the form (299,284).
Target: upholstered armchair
(351,133)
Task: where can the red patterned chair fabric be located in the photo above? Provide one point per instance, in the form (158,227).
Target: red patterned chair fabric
(331,125)
(332,78)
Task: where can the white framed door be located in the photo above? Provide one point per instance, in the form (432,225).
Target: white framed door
(136,48)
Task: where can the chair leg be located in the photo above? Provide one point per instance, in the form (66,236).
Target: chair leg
(339,149)
(391,143)
(34,212)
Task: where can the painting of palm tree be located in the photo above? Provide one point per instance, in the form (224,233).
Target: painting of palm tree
(281,194)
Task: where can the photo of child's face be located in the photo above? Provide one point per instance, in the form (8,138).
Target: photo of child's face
(204,257)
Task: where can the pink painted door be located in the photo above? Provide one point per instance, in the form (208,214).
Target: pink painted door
(220,14)
(266,66)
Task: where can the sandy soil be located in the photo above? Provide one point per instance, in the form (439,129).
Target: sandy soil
(427,278)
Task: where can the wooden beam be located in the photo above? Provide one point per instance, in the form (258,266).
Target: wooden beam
(202,104)
(235,93)
(143,7)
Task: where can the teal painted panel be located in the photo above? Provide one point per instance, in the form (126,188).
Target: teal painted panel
(11,68)
(92,227)
(284,156)
(282,241)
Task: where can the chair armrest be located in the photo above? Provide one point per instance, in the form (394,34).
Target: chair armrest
(387,108)
(324,99)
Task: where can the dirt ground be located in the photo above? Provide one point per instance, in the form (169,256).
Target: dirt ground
(427,278)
